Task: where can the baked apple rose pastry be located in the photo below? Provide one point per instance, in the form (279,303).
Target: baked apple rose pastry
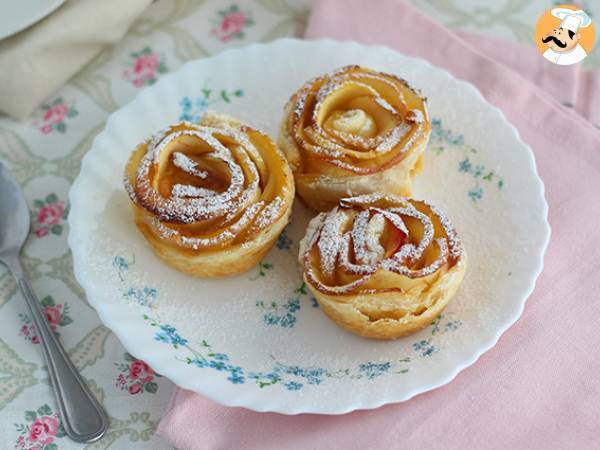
(353,132)
(382,266)
(211,199)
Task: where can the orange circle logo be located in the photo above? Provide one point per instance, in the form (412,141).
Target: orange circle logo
(565,35)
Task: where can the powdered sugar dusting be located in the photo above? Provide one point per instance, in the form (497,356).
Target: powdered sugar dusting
(238,207)
(185,190)
(269,214)
(415,116)
(367,215)
(339,147)
(188,165)
(330,240)
(384,104)
(394,138)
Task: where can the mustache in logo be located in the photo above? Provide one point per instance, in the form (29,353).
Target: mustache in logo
(556,41)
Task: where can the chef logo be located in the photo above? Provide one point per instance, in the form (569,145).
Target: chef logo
(565,35)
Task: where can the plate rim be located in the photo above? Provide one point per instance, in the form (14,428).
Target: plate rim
(179,378)
(40,14)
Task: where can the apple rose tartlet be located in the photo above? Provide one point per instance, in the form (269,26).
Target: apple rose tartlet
(353,132)
(211,199)
(382,266)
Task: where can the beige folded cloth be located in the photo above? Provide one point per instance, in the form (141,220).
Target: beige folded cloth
(39,60)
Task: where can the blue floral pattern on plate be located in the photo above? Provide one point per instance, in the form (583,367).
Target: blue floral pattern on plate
(192,108)
(284,315)
(291,377)
(284,241)
(443,139)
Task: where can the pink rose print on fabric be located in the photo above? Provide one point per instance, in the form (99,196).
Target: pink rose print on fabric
(49,216)
(57,315)
(144,67)
(55,115)
(43,430)
(134,388)
(136,376)
(53,315)
(40,431)
(139,370)
(231,24)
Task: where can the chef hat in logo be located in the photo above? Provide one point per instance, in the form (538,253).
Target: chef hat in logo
(572,20)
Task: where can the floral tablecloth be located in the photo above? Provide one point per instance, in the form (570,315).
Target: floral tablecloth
(44,153)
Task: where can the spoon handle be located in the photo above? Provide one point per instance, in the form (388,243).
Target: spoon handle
(83,417)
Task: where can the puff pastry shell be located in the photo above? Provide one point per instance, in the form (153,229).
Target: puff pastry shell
(382,266)
(355,131)
(211,199)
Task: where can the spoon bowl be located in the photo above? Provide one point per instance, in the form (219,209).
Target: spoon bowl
(15,220)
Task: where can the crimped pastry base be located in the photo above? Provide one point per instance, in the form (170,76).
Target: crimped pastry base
(323,192)
(215,264)
(352,311)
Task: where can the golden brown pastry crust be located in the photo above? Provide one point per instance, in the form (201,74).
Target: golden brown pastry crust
(355,131)
(211,199)
(382,266)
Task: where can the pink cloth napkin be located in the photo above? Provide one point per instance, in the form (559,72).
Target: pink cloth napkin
(539,387)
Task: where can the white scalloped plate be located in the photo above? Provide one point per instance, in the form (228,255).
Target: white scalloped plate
(16,16)
(257,340)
